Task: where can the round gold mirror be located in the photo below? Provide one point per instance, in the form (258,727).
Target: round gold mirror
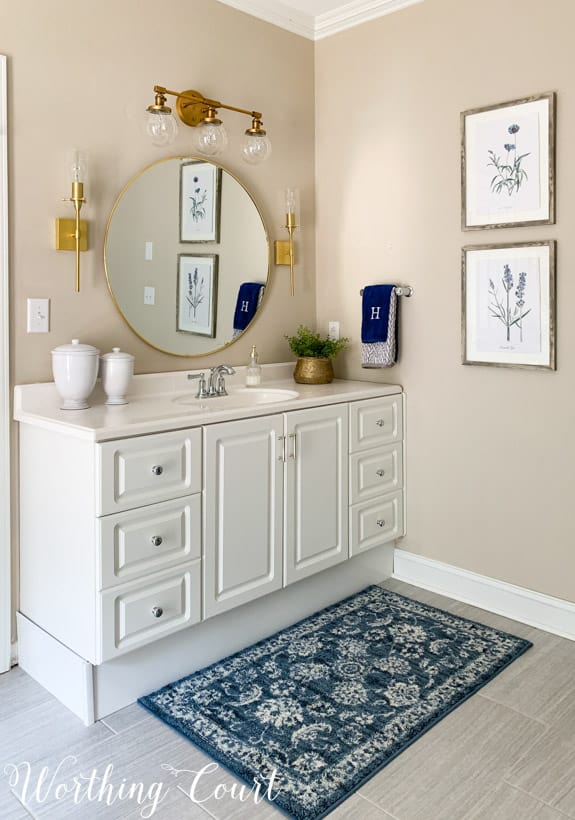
(186,256)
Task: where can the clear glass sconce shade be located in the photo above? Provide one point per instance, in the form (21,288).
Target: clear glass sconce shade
(161,128)
(256,148)
(210,138)
(77,165)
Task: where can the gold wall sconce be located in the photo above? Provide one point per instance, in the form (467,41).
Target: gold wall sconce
(284,248)
(72,234)
(200,112)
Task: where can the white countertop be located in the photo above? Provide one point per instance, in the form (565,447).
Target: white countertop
(153,403)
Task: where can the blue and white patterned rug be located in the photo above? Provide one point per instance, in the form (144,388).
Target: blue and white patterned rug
(321,706)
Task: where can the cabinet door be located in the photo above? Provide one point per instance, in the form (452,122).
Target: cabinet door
(316,504)
(242,511)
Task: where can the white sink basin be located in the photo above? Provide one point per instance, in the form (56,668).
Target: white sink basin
(241,397)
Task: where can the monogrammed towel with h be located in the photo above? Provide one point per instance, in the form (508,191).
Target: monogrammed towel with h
(379,326)
(250,295)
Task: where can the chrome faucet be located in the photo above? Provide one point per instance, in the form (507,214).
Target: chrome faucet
(216,382)
(216,385)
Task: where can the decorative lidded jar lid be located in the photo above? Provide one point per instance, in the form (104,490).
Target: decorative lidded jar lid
(76,348)
(117,355)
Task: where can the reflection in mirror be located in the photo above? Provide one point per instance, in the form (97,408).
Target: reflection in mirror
(186,256)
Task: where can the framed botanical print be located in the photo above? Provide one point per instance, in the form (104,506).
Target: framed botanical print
(200,195)
(508,164)
(197,294)
(508,305)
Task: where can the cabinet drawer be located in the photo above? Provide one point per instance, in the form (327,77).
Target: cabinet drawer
(375,422)
(149,539)
(143,611)
(147,469)
(375,522)
(374,472)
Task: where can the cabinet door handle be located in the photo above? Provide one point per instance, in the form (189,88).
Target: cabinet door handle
(157,469)
(380,422)
(156,540)
(293,438)
(380,473)
(380,522)
(157,611)
(282,455)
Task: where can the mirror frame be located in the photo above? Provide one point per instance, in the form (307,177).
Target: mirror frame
(130,182)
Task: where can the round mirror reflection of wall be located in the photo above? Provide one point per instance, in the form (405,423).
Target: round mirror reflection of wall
(186,256)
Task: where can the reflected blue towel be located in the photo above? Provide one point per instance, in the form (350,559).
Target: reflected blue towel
(249,296)
(379,326)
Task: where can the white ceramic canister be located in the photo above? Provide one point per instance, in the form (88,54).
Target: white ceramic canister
(116,371)
(75,369)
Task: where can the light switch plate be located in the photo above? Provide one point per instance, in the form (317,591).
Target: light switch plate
(333,330)
(38,315)
(149,296)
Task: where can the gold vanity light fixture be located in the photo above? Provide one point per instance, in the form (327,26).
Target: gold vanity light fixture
(284,248)
(72,234)
(201,113)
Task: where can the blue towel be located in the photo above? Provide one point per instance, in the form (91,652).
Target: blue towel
(379,326)
(249,297)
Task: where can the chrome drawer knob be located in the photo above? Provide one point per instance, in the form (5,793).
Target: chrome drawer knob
(380,522)
(156,540)
(157,470)
(380,473)
(157,612)
(380,422)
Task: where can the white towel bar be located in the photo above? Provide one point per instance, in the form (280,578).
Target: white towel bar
(403,290)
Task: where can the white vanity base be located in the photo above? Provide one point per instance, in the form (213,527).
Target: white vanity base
(92,692)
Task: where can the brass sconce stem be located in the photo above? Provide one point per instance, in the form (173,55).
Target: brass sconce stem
(77,200)
(291,226)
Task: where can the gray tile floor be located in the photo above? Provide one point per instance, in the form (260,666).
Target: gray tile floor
(508,753)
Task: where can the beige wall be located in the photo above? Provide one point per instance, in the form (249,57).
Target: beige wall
(81,75)
(490,450)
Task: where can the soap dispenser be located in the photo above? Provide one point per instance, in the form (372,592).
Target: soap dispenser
(253,370)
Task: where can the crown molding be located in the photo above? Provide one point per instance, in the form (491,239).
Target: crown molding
(275,12)
(354,13)
(317,27)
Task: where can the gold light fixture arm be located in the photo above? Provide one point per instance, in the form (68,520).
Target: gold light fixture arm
(194,100)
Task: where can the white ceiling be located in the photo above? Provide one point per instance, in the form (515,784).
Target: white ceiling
(316,19)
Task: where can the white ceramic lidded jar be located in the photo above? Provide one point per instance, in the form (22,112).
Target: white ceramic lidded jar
(75,369)
(117,370)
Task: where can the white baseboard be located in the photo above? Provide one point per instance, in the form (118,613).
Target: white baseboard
(542,611)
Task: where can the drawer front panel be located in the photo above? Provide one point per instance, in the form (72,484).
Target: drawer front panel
(149,539)
(374,472)
(140,612)
(376,522)
(375,422)
(148,469)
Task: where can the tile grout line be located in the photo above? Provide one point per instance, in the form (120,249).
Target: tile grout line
(107,725)
(26,808)
(537,800)
(377,806)
(542,723)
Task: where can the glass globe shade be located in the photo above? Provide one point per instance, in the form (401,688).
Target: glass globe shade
(161,128)
(210,139)
(256,148)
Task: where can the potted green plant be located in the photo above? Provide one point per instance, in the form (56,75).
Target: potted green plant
(314,355)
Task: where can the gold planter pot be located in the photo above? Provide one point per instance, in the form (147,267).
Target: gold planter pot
(313,371)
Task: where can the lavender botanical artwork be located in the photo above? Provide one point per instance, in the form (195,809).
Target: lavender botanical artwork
(510,173)
(507,307)
(197,294)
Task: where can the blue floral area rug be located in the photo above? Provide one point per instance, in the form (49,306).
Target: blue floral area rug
(321,706)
